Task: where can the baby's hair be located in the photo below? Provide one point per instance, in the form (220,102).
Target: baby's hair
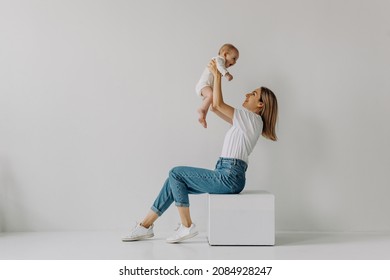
(227,48)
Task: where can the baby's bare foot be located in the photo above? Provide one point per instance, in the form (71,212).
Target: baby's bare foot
(203,122)
(202,118)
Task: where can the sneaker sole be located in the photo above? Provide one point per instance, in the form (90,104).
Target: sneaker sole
(183,238)
(137,238)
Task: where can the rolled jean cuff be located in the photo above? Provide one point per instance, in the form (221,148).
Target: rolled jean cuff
(155,210)
(179,204)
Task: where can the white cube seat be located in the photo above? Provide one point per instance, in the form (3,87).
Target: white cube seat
(247,218)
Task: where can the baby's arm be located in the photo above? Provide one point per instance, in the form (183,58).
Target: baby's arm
(222,69)
(221,66)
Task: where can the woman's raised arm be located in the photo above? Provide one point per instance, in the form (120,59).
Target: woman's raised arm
(222,109)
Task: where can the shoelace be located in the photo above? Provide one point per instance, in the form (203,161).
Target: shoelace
(134,228)
(178,226)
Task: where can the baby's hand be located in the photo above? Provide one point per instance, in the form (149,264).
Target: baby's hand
(229,76)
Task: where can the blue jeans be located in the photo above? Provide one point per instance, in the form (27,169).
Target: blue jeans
(227,178)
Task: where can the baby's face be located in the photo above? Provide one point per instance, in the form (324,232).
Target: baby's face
(231,58)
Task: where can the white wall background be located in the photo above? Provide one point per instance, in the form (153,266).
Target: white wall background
(97,103)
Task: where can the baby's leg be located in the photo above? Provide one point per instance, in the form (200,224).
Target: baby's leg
(207,93)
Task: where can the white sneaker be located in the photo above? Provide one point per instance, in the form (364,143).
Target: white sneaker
(182,233)
(139,232)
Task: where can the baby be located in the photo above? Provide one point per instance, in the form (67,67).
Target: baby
(227,56)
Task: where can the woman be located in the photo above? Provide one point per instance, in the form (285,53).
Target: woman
(258,118)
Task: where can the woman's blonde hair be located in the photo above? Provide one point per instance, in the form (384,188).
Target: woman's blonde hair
(269,113)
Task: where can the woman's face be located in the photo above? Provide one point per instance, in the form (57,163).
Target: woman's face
(252,101)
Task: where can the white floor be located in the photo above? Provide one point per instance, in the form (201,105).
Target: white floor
(108,246)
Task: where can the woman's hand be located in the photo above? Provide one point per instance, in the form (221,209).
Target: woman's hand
(213,68)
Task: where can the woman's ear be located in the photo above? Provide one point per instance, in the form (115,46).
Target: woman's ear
(260,107)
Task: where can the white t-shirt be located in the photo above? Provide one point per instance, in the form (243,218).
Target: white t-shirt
(242,137)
